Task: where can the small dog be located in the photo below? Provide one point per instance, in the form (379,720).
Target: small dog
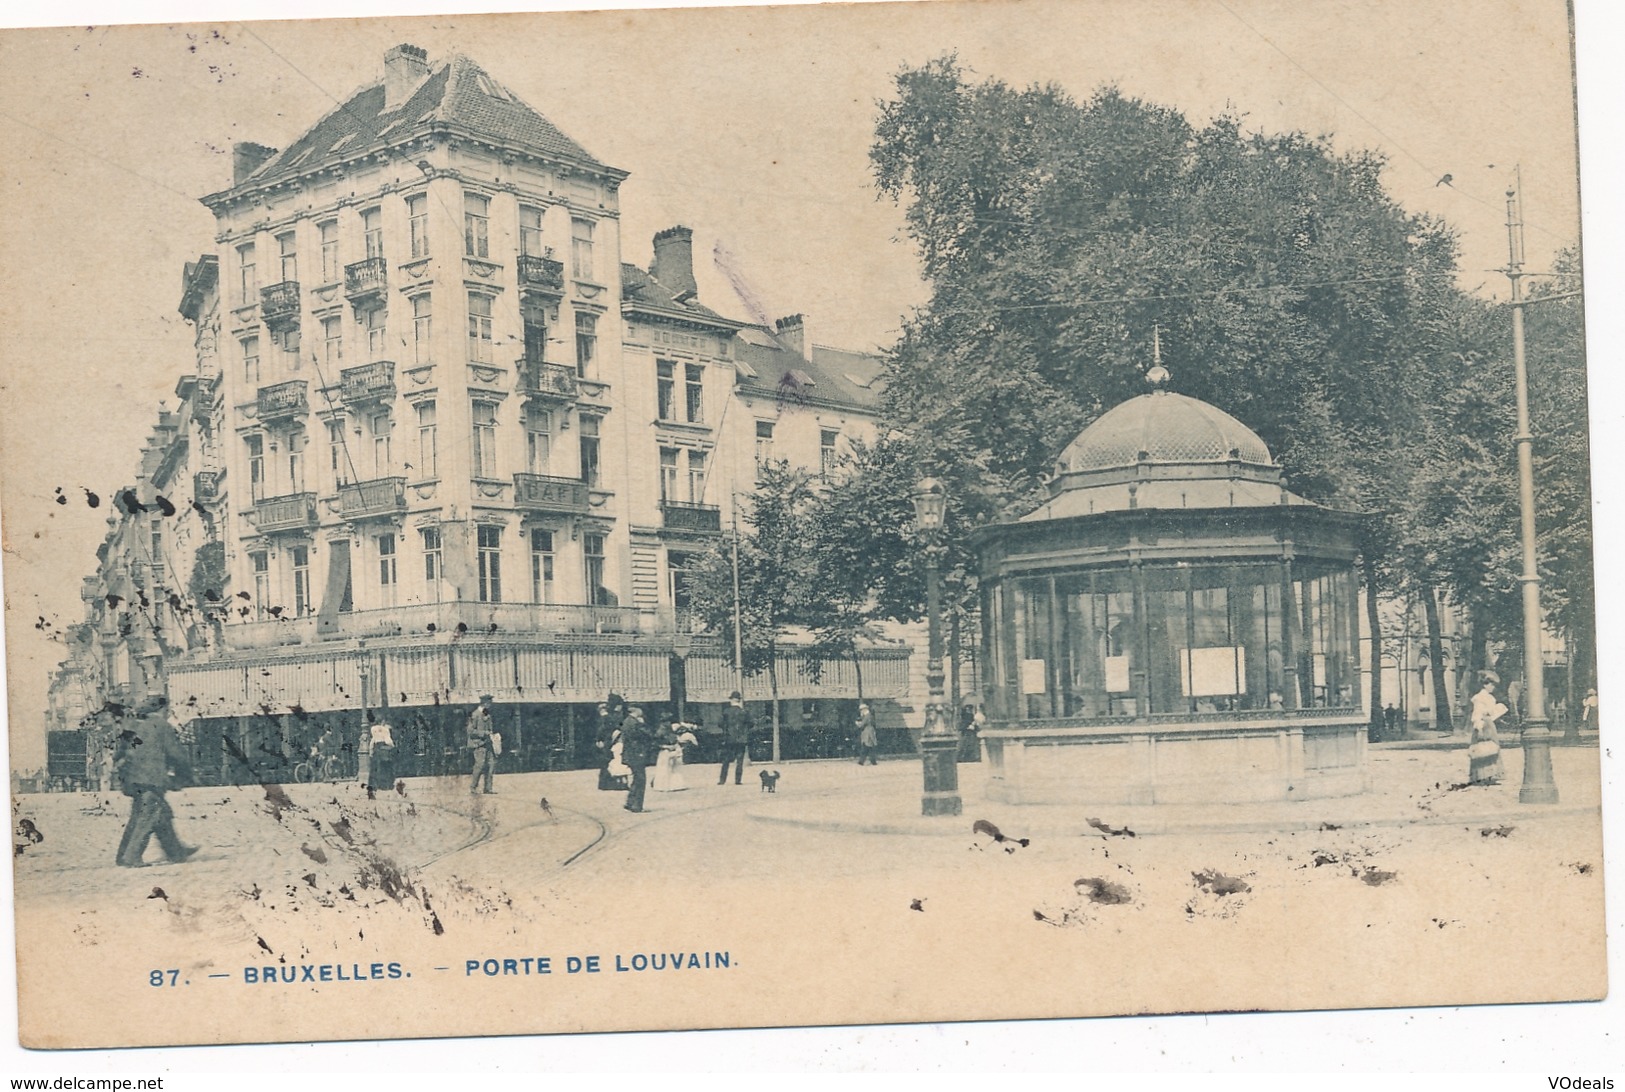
(770,778)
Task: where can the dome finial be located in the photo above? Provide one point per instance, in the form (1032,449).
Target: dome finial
(1157,375)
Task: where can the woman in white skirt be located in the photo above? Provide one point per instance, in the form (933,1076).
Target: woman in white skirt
(1484,753)
(668,772)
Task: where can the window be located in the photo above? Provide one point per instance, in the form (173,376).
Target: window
(382,429)
(665,390)
(490,550)
(668,474)
(581,249)
(256,466)
(329,232)
(696,477)
(827,439)
(372,231)
(288,248)
(251,361)
(764,445)
(288,342)
(260,562)
(538,440)
(541,566)
(386,566)
(677,569)
(694,392)
(333,341)
(535,339)
(431,561)
(479,328)
(476,225)
(301,581)
(589,450)
(428,457)
(586,342)
(250,275)
(593,552)
(372,321)
(485,439)
(530,231)
(338,458)
(296,462)
(155,545)
(422,328)
(417,219)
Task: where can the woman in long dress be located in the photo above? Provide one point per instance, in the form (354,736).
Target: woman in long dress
(1484,753)
(381,767)
(617,769)
(669,769)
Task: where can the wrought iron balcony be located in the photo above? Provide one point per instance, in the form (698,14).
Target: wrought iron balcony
(293,512)
(206,485)
(364,383)
(378,497)
(693,518)
(279,305)
(543,276)
(538,379)
(365,280)
(282,400)
(545,493)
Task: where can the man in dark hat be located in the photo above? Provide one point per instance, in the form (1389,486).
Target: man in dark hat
(610,714)
(146,754)
(736,727)
(480,731)
(637,751)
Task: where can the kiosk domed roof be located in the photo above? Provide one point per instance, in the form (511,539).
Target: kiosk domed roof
(1162,427)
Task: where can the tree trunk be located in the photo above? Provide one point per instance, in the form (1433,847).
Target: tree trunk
(773,689)
(1374,623)
(1441,678)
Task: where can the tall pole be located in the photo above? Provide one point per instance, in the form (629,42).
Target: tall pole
(739,642)
(939,743)
(1538,786)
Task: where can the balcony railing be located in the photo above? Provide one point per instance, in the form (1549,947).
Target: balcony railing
(693,518)
(378,497)
(541,275)
(279,305)
(365,280)
(293,512)
(373,382)
(543,380)
(282,400)
(462,620)
(206,485)
(545,493)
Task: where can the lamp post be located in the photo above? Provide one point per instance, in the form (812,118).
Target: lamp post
(939,746)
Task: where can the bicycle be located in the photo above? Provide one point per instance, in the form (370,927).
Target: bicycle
(317,768)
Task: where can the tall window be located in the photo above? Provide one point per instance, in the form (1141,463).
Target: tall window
(422,327)
(694,392)
(372,231)
(586,341)
(301,580)
(431,561)
(827,439)
(668,474)
(251,361)
(485,439)
(530,231)
(479,327)
(329,232)
(428,456)
(296,462)
(338,459)
(260,562)
(764,445)
(541,566)
(386,568)
(417,219)
(593,553)
(535,339)
(250,274)
(538,439)
(581,249)
(288,250)
(589,449)
(665,390)
(696,477)
(256,466)
(490,551)
(333,341)
(372,321)
(382,429)
(677,568)
(477,225)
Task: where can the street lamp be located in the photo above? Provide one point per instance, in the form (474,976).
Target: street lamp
(939,746)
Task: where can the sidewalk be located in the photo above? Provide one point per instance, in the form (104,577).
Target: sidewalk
(1410,783)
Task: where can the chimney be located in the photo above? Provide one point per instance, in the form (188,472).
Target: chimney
(792,330)
(405,67)
(246,158)
(673,266)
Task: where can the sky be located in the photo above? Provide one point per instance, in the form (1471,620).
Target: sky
(750,126)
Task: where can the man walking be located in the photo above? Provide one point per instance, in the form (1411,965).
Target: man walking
(146,755)
(736,727)
(637,749)
(480,742)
